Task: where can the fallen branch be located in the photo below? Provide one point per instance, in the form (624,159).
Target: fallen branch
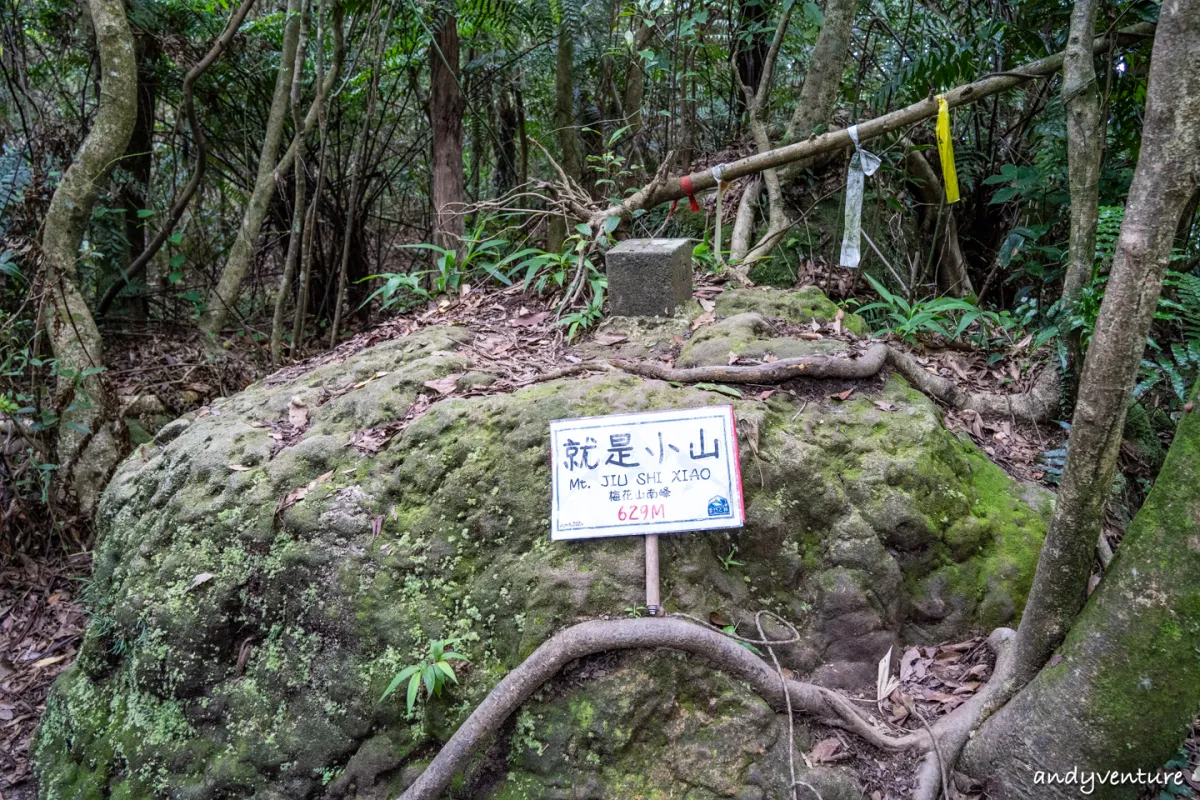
(598,636)
(670,189)
(1039,404)
(817,366)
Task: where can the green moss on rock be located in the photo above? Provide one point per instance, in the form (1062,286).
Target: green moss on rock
(264,679)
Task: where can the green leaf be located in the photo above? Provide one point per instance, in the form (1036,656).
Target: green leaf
(611,223)
(399,679)
(414,685)
(429,676)
(447,670)
(145,212)
(1003,195)
(719,388)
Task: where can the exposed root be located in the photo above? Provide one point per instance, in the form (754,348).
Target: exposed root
(817,366)
(598,636)
(1039,404)
(952,731)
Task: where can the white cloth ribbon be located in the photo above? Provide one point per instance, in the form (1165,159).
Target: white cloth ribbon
(862,163)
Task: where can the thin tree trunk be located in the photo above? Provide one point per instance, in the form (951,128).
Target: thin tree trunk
(91,435)
(635,81)
(357,165)
(564,105)
(952,277)
(505,175)
(1167,171)
(445,113)
(224,295)
(298,204)
(135,195)
(1082,104)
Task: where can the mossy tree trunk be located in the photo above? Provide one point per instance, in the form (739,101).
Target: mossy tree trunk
(819,94)
(91,432)
(1128,684)
(223,297)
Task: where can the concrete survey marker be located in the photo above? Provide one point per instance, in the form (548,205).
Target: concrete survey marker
(649,277)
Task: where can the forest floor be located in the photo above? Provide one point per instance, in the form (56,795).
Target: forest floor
(42,613)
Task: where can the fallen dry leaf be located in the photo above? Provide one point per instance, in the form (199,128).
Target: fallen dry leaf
(826,751)
(240,468)
(202,578)
(706,304)
(884,405)
(837,321)
(528,320)
(296,495)
(707,318)
(842,395)
(609,339)
(444,386)
(908,663)
(733,358)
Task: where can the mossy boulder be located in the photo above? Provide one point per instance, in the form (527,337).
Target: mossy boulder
(801,305)
(256,591)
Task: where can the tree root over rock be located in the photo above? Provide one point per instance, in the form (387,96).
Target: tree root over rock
(597,636)
(1039,404)
(816,366)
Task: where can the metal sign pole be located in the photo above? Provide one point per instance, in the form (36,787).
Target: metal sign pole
(652,598)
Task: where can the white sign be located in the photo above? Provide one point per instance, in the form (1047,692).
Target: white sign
(633,474)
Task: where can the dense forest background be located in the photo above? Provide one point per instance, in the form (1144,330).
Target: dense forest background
(195,194)
(283,174)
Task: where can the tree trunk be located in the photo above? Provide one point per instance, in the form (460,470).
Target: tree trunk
(296,228)
(564,105)
(223,297)
(951,264)
(635,81)
(135,195)
(819,93)
(505,175)
(91,435)
(1125,693)
(1082,104)
(445,114)
(1168,168)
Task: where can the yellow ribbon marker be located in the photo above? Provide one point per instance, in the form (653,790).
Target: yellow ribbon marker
(946,151)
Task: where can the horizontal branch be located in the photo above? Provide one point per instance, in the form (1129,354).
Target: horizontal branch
(669,189)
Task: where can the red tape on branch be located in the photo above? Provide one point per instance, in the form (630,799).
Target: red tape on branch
(685,185)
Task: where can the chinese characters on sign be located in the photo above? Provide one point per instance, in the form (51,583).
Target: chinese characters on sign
(634,474)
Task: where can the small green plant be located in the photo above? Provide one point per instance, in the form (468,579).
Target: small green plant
(730,561)
(434,671)
(948,316)
(635,612)
(452,268)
